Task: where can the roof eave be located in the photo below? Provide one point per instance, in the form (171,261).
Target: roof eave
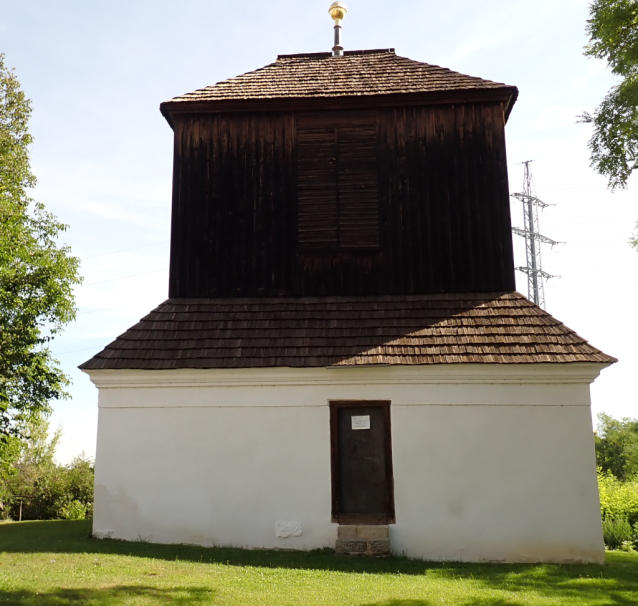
(539,373)
(510,103)
(506,94)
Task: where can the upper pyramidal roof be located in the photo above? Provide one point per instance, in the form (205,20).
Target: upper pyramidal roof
(356,73)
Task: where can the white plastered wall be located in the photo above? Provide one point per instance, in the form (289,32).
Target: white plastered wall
(491,462)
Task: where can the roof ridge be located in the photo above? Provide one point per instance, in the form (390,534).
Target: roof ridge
(370,72)
(371,51)
(325,55)
(305,56)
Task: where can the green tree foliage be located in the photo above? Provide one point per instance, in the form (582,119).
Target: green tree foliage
(617,446)
(37,276)
(616,443)
(45,489)
(613,36)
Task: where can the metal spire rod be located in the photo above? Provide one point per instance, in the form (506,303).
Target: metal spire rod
(533,240)
(337,11)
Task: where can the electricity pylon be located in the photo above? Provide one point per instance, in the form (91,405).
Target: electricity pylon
(533,239)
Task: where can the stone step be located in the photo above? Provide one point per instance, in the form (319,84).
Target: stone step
(363,540)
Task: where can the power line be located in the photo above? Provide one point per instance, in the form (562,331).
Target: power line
(146,273)
(604,265)
(574,187)
(590,241)
(568,277)
(114,252)
(628,201)
(66,353)
(94,311)
(561,156)
(583,153)
(590,222)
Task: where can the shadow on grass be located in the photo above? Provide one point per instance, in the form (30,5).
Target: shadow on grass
(470,602)
(522,601)
(583,598)
(178,596)
(110,596)
(187,596)
(613,584)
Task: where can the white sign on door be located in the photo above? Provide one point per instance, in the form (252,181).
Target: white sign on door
(362,422)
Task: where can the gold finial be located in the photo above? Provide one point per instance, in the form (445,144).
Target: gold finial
(337,11)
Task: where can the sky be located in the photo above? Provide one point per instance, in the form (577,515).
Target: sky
(97,71)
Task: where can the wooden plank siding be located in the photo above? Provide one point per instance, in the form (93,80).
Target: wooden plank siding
(443,207)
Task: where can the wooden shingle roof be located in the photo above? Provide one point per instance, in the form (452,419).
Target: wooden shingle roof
(497,328)
(356,74)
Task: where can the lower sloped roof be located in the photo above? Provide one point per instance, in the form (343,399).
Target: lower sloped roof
(491,328)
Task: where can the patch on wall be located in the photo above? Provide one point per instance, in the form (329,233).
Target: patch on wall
(287,529)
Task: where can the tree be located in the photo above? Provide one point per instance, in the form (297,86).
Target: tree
(39,488)
(37,276)
(617,446)
(613,35)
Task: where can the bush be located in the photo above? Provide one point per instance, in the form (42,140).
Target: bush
(72,511)
(618,500)
(617,532)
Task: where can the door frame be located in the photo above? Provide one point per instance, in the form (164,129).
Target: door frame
(360,518)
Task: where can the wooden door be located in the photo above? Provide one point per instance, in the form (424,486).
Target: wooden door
(362,484)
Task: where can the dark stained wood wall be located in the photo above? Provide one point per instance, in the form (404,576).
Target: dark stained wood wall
(443,207)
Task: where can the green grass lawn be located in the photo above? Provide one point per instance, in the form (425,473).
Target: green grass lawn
(56,563)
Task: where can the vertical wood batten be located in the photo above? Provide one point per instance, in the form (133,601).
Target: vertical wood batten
(191,203)
(435,171)
(491,262)
(460,192)
(402,265)
(416,203)
(378,267)
(287,207)
(494,142)
(475,252)
(177,221)
(502,197)
(388,170)
(214,212)
(424,248)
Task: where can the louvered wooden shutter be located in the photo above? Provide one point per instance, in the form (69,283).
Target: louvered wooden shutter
(317,188)
(337,184)
(357,186)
